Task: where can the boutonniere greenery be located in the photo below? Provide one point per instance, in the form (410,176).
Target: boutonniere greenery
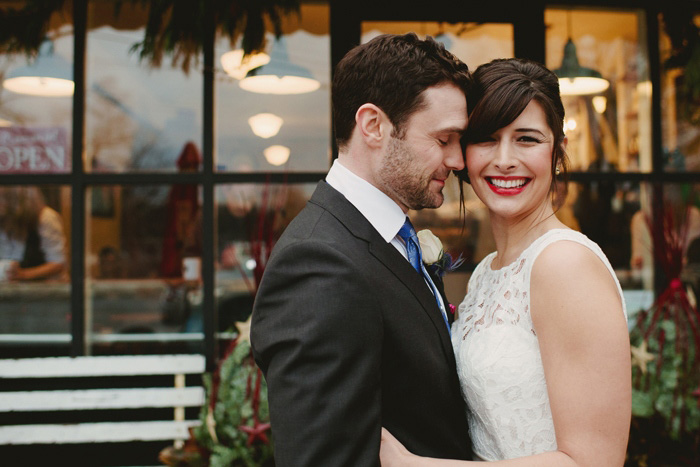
(436,260)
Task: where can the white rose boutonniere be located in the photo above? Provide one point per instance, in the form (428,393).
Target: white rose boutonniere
(431,247)
(434,256)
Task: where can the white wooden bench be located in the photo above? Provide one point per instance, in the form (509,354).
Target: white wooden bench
(176,396)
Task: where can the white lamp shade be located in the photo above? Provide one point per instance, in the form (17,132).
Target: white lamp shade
(280,76)
(277,155)
(40,86)
(271,84)
(237,66)
(582,86)
(49,75)
(265,125)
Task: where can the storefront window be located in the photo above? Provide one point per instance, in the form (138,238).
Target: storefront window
(138,117)
(608,126)
(34,263)
(250,219)
(144,247)
(36,103)
(679,51)
(266,120)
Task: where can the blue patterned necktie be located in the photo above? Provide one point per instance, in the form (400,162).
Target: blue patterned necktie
(408,235)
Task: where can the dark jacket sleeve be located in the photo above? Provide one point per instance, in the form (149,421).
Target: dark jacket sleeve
(317,336)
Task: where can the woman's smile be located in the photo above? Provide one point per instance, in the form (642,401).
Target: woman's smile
(507,186)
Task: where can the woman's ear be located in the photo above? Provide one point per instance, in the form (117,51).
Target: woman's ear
(373,124)
(564,143)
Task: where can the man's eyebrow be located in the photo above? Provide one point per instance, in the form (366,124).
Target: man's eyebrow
(452,129)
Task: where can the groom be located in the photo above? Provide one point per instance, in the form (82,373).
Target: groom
(352,337)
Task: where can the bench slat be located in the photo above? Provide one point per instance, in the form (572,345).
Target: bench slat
(102,366)
(36,401)
(95,432)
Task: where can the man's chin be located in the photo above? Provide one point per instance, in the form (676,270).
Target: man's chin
(432,203)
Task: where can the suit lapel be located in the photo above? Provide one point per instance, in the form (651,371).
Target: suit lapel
(336,204)
(440,285)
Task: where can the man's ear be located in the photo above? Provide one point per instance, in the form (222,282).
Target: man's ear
(373,124)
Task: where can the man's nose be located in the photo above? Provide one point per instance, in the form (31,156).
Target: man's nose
(454,158)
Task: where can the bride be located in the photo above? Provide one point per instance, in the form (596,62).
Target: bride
(541,339)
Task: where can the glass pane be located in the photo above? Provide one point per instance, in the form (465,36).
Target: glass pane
(250,219)
(36,103)
(608,128)
(680,88)
(138,118)
(34,261)
(470,238)
(143,265)
(264,127)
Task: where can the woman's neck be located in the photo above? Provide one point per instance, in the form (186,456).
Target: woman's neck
(513,235)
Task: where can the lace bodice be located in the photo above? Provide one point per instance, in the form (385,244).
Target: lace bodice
(498,356)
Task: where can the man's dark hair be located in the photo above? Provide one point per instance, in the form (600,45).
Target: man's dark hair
(391,72)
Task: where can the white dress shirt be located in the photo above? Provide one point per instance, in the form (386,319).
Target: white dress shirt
(381,211)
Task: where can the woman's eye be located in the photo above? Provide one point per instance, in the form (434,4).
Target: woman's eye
(529,139)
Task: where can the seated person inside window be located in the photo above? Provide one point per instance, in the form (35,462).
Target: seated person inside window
(31,235)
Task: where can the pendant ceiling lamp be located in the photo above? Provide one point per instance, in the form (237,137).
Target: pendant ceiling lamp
(277,155)
(265,125)
(49,75)
(280,76)
(574,79)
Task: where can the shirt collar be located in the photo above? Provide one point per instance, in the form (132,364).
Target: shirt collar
(381,211)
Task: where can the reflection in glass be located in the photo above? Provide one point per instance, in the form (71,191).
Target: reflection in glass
(608,131)
(34,259)
(250,219)
(680,88)
(143,263)
(138,118)
(36,104)
(305,118)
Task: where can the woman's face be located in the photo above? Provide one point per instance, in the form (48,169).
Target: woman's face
(510,170)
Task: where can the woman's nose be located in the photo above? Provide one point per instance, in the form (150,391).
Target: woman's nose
(504,157)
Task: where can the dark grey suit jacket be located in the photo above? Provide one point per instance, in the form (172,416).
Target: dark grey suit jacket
(350,339)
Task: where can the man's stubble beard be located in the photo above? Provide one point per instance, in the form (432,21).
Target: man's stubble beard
(403,182)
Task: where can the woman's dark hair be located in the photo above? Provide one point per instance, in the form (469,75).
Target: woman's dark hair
(391,72)
(501,91)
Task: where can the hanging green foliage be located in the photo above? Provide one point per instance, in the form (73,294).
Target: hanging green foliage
(174,28)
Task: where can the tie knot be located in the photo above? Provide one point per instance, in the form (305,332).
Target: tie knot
(407,231)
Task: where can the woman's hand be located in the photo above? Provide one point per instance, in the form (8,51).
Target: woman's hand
(392,453)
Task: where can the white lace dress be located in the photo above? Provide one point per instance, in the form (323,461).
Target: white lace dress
(498,356)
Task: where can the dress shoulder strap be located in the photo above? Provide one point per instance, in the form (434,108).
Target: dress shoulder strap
(555,235)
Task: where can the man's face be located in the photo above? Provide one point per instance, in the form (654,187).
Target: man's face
(415,167)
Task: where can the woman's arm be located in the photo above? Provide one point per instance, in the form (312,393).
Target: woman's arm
(584,342)
(37,272)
